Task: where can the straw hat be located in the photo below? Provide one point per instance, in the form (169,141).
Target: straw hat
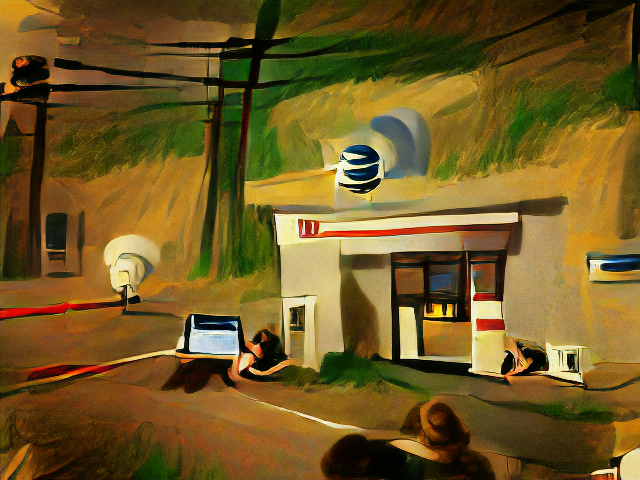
(438,433)
(441,426)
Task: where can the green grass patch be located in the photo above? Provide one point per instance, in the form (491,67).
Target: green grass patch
(348,368)
(204,470)
(256,294)
(618,88)
(448,168)
(489,155)
(257,248)
(271,161)
(202,267)
(119,145)
(10,148)
(297,376)
(345,369)
(579,413)
(157,467)
(120,139)
(536,112)
(258,241)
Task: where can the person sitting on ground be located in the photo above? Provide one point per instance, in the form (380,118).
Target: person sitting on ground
(262,353)
(440,449)
(267,348)
(437,447)
(523,357)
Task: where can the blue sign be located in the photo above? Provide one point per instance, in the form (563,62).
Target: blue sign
(613,268)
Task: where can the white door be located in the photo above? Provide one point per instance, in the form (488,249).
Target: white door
(298,319)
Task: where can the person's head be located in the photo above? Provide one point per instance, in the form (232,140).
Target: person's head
(349,457)
(440,426)
(268,341)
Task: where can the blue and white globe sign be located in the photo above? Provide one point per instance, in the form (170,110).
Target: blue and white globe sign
(360,169)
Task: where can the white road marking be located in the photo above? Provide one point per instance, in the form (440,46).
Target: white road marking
(15,464)
(80,371)
(336,426)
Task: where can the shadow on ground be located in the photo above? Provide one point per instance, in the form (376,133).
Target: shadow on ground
(195,375)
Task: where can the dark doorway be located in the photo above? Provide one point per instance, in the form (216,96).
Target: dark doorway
(56,236)
(296,327)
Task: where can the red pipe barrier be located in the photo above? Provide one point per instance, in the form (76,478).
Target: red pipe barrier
(56,370)
(17,312)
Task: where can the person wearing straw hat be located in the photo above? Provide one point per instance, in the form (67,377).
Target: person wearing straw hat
(439,443)
(436,447)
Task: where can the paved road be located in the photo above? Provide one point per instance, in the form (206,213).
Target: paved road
(72,421)
(214,425)
(83,419)
(78,338)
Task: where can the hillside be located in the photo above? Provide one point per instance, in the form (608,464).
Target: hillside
(502,86)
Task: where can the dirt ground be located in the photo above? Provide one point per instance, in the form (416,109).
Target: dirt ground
(119,423)
(112,425)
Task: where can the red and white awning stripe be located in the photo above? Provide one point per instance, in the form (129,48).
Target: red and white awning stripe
(294,228)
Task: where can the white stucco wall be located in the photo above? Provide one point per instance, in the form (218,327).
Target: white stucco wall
(549,298)
(313,268)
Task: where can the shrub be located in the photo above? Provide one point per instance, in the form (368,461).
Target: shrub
(297,376)
(348,368)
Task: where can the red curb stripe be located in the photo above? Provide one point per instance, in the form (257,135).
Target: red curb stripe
(28,311)
(54,371)
(93,305)
(56,309)
(78,372)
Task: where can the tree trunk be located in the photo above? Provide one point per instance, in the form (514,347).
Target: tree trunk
(35,192)
(237,186)
(635,31)
(212,131)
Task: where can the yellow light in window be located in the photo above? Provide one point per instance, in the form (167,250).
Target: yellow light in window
(440,310)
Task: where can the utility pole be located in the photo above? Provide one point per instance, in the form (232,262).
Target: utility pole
(35,190)
(635,46)
(233,49)
(29,78)
(31,87)
(213,127)
(266,25)
(213,124)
